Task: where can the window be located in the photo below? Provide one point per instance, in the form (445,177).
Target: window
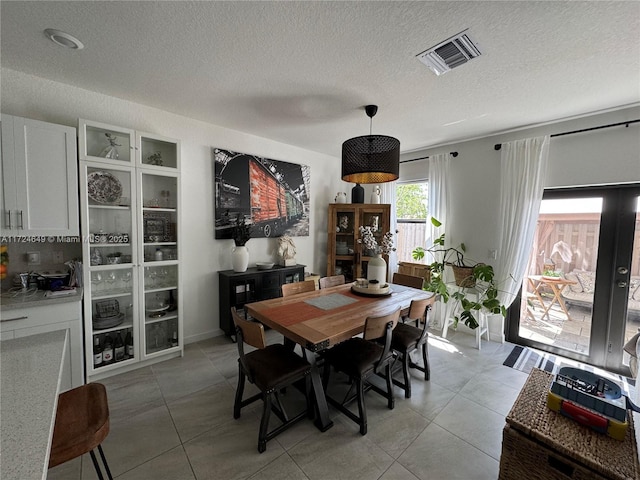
(411,213)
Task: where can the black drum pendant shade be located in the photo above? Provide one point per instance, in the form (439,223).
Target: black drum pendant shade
(371,158)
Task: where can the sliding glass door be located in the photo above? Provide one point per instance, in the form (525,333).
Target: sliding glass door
(581,292)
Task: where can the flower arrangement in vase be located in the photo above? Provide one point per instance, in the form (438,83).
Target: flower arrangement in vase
(377,266)
(241,233)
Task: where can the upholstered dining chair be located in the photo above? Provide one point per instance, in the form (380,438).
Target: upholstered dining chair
(271,368)
(326,282)
(81,425)
(298,287)
(406,339)
(360,358)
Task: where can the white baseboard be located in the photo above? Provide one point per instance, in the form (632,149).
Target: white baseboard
(203,336)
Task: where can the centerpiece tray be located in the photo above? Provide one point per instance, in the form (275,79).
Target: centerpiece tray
(383,291)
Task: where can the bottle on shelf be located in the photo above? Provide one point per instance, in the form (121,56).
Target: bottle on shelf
(158,256)
(97,352)
(107,350)
(174,339)
(119,347)
(128,344)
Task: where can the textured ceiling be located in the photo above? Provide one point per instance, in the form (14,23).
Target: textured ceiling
(300,72)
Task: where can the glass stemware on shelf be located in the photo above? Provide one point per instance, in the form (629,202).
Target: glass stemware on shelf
(96,281)
(111,281)
(151,276)
(125,278)
(163,276)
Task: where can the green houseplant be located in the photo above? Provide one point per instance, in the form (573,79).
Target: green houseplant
(479,275)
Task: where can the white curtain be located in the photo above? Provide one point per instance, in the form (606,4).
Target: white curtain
(438,206)
(388,195)
(523,166)
(439,197)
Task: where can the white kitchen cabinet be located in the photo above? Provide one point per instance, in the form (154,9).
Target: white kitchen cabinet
(39,178)
(130,227)
(50,317)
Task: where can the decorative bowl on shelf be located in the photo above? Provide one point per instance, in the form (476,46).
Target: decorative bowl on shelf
(264,265)
(103,187)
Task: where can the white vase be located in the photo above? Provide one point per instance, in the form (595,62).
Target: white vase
(377,269)
(240,258)
(375,194)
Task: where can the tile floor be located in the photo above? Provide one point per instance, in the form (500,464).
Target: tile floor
(174,421)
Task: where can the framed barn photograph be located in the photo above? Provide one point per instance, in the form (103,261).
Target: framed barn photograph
(272,195)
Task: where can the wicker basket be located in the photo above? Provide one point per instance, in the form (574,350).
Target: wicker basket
(523,457)
(464,276)
(541,444)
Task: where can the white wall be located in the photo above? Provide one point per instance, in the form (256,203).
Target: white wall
(607,156)
(37,98)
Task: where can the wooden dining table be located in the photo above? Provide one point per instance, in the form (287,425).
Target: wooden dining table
(319,319)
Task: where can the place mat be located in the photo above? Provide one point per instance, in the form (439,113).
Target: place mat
(531,416)
(331,301)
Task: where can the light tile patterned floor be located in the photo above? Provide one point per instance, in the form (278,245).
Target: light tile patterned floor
(174,421)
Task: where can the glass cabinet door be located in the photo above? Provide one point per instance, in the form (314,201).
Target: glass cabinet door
(157,152)
(106,143)
(158,195)
(345,246)
(110,274)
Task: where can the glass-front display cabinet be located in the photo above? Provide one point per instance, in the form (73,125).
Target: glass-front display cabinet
(130,231)
(345,256)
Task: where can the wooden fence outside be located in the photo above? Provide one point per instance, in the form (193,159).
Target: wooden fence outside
(579,231)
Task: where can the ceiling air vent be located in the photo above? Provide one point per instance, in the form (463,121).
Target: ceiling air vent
(451,53)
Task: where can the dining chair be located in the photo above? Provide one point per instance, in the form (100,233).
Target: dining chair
(81,425)
(406,339)
(360,358)
(298,287)
(408,280)
(271,368)
(326,282)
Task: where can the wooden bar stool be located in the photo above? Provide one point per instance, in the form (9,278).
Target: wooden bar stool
(82,423)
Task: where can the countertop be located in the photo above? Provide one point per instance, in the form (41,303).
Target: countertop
(30,370)
(11,301)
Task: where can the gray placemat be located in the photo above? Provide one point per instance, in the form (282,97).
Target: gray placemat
(331,301)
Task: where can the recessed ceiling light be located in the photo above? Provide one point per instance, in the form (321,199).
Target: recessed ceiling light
(63,39)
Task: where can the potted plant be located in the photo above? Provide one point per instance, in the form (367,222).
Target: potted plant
(479,275)
(241,233)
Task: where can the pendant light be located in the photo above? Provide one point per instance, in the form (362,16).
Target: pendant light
(371,158)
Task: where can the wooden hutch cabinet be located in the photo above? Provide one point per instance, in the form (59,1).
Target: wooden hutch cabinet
(240,288)
(344,254)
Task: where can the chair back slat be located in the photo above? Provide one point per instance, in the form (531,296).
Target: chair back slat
(375,327)
(418,308)
(326,282)
(298,287)
(252,333)
(408,280)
